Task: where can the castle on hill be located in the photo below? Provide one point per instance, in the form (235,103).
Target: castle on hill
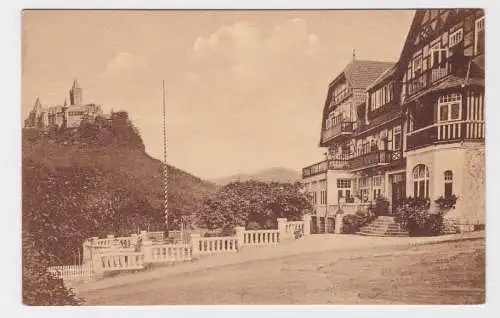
(63,116)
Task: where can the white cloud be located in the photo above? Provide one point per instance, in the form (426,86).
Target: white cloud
(125,61)
(242,54)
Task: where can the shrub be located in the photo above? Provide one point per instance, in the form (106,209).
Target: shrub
(413,215)
(352,223)
(381,206)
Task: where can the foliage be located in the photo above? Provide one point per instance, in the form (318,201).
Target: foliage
(414,216)
(447,202)
(352,223)
(79,183)
(253,204)
(40,288)
(381,206)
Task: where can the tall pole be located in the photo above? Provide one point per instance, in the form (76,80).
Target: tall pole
(165,167)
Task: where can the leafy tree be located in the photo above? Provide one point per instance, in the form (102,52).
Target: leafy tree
(253,203)
(40,288)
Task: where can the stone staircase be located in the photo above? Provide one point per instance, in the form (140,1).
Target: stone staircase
(383,226)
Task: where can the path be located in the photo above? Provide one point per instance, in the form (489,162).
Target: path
(335,245)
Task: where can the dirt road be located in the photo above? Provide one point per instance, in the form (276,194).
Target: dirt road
(444,273)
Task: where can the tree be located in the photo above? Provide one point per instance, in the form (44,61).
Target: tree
(252,202)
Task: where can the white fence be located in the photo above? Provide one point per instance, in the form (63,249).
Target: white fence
(118,260)
(73,272)
(215,245)
(166,253)
(293,226)
(111,254)
(261,238)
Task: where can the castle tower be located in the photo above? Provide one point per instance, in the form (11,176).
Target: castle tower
(75,94)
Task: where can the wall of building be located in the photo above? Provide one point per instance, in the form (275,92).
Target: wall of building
(466,161)
(332,190)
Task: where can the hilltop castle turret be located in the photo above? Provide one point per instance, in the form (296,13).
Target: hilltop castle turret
(65,116)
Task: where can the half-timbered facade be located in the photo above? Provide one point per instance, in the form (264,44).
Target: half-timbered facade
(411,128)
(332,179)
(442,74)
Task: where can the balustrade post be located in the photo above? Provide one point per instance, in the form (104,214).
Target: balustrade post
(339,221)
(147,249)
(282,228)
(307,224)
(240,237)
(195,245)
(97,268)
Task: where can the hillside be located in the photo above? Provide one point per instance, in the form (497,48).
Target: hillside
(98,180)
(275,174)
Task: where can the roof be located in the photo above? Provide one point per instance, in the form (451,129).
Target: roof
(449,82)
(386,74)
(360,73)
(385,118)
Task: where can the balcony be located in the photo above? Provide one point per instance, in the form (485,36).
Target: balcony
(428,78)
(340,128)
(324,166)
(372,159)
(445,132)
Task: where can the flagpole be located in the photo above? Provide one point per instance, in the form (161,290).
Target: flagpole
(165,167)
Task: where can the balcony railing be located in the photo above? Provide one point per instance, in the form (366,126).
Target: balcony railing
(372,159)
(340,128)
(324,166)
(429,77)
(445,132)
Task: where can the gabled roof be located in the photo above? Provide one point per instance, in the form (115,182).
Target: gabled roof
(361,73)
(386,74)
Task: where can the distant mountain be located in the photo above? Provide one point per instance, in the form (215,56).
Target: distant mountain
(275,174)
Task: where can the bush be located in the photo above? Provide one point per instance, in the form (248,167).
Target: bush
(352,223)
(413,215)
(381,207)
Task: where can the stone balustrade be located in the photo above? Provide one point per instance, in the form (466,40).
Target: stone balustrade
(261,238)
(215,245)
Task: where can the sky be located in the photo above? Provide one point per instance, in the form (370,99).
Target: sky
(244,89)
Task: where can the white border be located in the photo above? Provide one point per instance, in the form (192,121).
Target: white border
(10,161)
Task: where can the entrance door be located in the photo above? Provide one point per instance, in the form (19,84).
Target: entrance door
(398,192)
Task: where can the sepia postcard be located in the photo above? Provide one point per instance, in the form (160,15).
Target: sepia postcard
(253,157)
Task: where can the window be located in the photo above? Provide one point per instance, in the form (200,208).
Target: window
(314,189)
(417,66)
(455,38)
(448,183)
(450,107)
(397,138)
(322,186)
(438,55)
(479,36)
(363,189)
(377,186)
(343,183)
(420,181)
